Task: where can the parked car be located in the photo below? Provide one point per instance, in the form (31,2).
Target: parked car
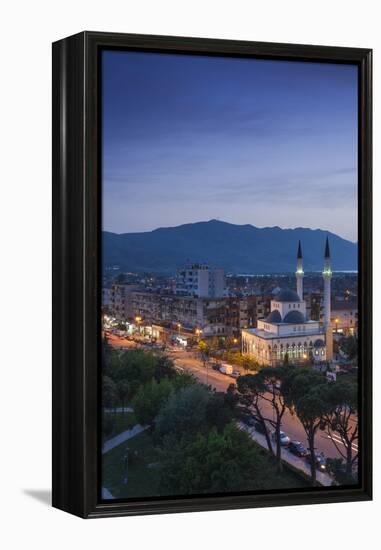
(284,439)
(297,448)
(226,369)
(216,366)
(235,374)
(320,460)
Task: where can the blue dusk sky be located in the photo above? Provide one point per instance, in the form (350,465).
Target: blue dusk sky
(192,138)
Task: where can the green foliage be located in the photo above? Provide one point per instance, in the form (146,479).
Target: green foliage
(108,423)
(219,411)
(212,462)
(109,392)
(338,471)
(183,380)
(251,385)
(349,346)
(164,368)
(150,398)
(203,347)
(123,390)
(343,394)
(184,412)
(135,366)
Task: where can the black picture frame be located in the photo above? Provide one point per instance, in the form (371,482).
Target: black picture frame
(76,265)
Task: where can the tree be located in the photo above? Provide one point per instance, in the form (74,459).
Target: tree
(183,380)
(184,412)
(252,389)
(164,368)
(219,410)
(136,366)
(272,378)
(150,398)
(341,419)
(109,392)
(123,389)
(349,347)
(305,393)
(248,363)
(204,351)
(212,462)
(338,471)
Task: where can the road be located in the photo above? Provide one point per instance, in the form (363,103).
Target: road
(191,362)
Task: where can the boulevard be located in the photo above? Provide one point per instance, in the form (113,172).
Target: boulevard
(190,361)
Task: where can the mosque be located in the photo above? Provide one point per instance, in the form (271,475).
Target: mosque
(286,333)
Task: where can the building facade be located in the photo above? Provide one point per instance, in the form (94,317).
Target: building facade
(344,317)
(201,281)
(119,300)
(224,316)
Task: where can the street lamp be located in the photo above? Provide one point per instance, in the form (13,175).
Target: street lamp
(179,327)
(337,322)
(138,319)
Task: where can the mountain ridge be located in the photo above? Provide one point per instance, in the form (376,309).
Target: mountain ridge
(237,248)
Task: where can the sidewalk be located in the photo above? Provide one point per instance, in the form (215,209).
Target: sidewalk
(122,437)
(295,461)
(106,494)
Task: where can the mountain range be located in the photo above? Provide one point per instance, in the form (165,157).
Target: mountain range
(236,248)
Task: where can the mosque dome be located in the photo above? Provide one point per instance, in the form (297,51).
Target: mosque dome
(295,317)
(274,317)
(287,295)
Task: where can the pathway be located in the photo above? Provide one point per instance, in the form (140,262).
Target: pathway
(122,437)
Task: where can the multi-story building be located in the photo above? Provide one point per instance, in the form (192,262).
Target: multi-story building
(106,298)
(223,316)
(344,317)
(244,311)
(206,314)
(201,281)
(120,300)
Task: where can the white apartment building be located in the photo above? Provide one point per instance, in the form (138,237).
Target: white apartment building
(201,281)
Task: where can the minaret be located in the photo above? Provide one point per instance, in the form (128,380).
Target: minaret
(327,275)
(299,272)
